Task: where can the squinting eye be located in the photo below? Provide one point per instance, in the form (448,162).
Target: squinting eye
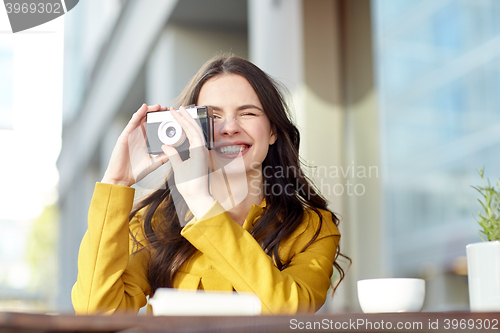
(248,114)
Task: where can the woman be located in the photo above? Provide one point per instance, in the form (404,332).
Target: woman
(278,241)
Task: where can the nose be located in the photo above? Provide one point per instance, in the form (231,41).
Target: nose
(230,127)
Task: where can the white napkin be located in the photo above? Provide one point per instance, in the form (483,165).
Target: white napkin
(175,302)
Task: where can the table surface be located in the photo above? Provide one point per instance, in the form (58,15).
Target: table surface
(353,322)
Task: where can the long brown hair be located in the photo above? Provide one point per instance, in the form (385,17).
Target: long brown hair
(282,213)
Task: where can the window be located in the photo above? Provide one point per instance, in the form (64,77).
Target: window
(438,79)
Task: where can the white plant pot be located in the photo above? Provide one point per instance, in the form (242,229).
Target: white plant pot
(483,266)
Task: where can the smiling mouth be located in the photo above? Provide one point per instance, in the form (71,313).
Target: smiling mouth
(232,150)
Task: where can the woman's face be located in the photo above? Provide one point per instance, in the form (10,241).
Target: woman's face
(240,124)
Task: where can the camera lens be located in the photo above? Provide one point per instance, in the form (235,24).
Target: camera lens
(170,131)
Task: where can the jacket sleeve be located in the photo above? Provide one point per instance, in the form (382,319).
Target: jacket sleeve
(301,287)
(109,278)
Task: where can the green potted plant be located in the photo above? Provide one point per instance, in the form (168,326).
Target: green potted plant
(483,259)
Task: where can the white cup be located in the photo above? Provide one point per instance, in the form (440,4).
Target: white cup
(391,295)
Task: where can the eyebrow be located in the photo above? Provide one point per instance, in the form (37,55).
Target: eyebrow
(240,108)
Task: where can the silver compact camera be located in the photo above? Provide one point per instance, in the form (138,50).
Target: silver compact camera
(163,129)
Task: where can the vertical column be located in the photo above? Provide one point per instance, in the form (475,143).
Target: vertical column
(67,241)
(160,70)
(276,45)
(275,31)
(74,212)
(325,117)
(363,210)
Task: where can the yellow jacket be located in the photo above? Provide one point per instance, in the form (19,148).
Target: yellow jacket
(229,259)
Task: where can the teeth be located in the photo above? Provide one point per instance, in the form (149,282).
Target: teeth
(232,149)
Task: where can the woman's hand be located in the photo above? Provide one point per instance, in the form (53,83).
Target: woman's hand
(191,175)
(130,161)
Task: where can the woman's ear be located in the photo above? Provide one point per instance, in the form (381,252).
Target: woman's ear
(272,136)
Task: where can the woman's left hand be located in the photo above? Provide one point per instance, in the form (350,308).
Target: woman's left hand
(191,175)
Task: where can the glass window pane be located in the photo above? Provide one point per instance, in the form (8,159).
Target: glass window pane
(438,79)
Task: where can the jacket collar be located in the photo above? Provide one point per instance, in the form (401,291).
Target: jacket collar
(253,215)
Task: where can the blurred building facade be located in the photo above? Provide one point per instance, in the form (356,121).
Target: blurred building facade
(333,56)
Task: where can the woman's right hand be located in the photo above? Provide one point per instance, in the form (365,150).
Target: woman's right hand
(130,161)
